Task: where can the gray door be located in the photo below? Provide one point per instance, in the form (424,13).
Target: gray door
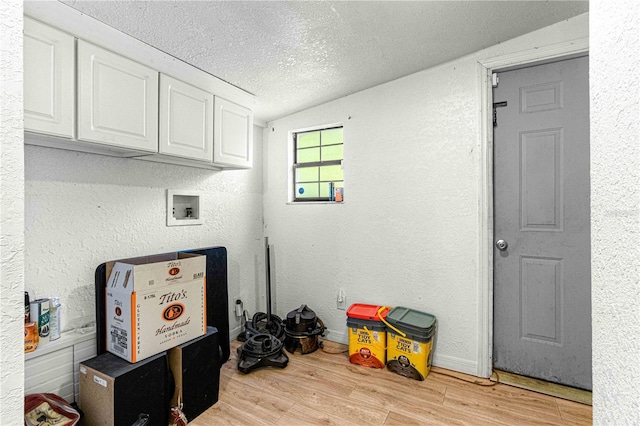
(542,278)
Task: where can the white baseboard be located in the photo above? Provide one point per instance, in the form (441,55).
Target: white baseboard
(456,364)
(233,333)
(337,336)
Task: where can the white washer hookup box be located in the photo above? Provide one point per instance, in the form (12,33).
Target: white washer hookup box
(154,303)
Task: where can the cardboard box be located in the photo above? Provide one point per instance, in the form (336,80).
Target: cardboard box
(195,366)
(114,392)
(154,303)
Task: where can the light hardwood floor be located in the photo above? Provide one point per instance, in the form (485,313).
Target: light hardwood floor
(325,389)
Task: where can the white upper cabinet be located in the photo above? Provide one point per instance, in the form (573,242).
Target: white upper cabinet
(117,100)
(95,89)
(49,80)
(233,135)
(186,120)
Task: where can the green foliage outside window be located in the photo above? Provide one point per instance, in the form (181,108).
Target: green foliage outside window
(318,164)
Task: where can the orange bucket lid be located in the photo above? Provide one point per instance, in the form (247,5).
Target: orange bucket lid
(366,312)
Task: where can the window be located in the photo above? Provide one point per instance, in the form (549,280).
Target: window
(317,165)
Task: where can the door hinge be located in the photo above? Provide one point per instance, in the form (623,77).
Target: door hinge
(495,79)
(495,112)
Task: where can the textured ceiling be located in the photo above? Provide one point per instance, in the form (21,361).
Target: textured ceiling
(296,54)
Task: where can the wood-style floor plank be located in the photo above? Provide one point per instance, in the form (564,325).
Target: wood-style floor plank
(574,412)
(498,407)
(320,379)
(222,413)
(266,405)
(326,389)
(438,417)
(304,416)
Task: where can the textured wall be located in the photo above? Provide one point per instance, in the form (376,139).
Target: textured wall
(11,214)
(615,209)
(408,232)
(85,209)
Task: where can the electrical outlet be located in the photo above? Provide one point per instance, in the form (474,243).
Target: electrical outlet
(341,300)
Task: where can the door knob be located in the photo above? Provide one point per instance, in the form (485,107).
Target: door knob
(502,245)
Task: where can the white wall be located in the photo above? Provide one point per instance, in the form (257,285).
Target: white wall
(11,215)
(408,233)
(84,209)
(615,209)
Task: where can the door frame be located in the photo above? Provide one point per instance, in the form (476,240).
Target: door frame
(485,69)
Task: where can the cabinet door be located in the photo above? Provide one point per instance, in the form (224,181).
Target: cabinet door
(233,135)
(186,120)
(49,80)
(117,100)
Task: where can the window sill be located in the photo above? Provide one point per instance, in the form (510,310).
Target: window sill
(303,203)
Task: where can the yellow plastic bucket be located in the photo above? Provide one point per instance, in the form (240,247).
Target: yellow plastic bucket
(367,335)
(410,345)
